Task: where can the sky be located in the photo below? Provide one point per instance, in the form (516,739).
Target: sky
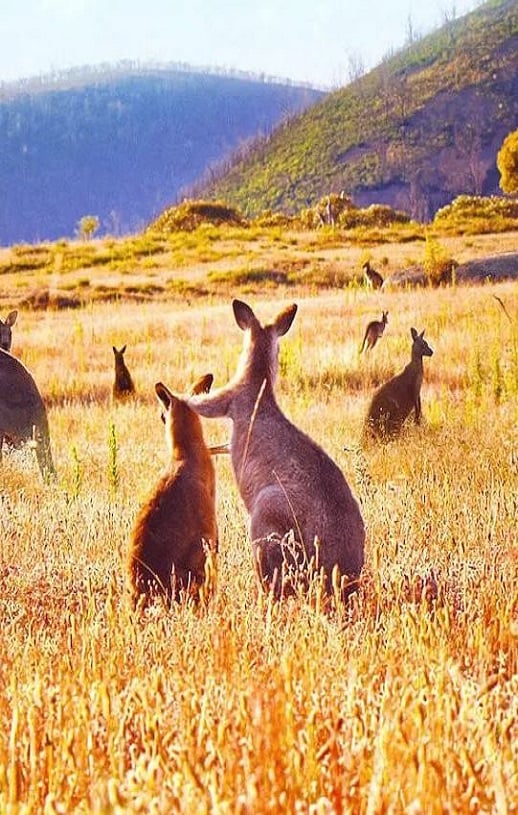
(321,42)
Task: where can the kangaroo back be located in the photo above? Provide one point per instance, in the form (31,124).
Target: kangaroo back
(6,336)
(177,525)
(123,385)
(394,401)
(23,417)
(302,513)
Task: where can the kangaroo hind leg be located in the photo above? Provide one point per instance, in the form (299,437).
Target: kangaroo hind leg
(279,557)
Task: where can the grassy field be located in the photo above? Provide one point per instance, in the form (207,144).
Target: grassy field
(406,701)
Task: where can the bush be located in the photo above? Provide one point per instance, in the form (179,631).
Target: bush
(374,215)
(189,215)
(438,265)
(348,216)
(268,218)
(476,213)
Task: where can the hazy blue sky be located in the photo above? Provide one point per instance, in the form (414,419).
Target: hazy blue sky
(309,40)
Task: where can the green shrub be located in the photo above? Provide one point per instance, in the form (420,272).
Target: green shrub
(374,215)
(438,265)
(268,218)
(189,215)
(476,213)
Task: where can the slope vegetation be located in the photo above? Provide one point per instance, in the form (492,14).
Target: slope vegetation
(422,128)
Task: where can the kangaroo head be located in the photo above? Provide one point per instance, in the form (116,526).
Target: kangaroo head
(261,344)
(182,425)
(420,347)
(5,330)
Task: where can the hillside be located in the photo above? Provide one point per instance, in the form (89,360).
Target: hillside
(422,128)
(121,143)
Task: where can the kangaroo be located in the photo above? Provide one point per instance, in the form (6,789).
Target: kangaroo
(372,277)
(303,516)
(374,332)
(6,336)
(23,417)
(393,402)
(123,386)
(177,523)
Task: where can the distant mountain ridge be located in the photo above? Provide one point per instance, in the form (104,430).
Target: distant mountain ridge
(422,128)
(121,142)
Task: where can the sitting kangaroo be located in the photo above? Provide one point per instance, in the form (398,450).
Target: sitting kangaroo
(372,277)
(6,336)
(23,417)
(393,402)
(177,523)
(123,385)
(374,332)
(303,516)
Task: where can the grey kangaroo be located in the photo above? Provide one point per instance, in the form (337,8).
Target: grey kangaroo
(372,277)
(374,332)
(393,402)
(23,417)
(6,336)
(303,516)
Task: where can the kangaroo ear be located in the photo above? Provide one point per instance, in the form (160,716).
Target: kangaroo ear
(123,349)
(422,334)
(284,320)
(11,318)
(203,385)
(245,317)
(164,395)
(414,333)
(114,350)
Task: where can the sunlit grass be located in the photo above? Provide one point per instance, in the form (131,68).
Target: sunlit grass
(404,702)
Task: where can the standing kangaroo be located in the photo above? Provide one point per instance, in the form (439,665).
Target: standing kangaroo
(372,277)
(6,336)
(123,385)
(393,402)
(173,529)
(303,515)
(23,417)
(374,332)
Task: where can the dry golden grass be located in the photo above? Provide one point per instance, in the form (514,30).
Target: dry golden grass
(407,701)
(209,262)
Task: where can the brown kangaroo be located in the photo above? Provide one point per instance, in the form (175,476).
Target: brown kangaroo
(23,417)
(374,332)
(303,516)
(372,277)
(178,522)
(6,336)
(393,402)
(123,386)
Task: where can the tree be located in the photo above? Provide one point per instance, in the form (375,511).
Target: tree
(88,226)
(507,163)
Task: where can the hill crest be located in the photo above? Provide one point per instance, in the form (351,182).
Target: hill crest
(420,129)
(122,144)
